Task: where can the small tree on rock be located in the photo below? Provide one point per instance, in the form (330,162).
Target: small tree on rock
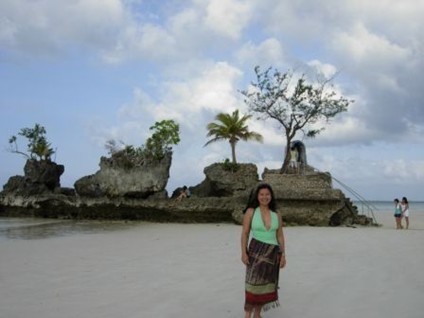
(38,147)
(298,107)
(166,134)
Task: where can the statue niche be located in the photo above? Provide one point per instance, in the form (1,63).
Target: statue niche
(301,157)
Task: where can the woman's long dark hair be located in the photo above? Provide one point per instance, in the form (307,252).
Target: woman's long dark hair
(253,201)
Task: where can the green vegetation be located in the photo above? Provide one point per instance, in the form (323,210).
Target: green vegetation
(166,133)
(129,157)
(38,147)
(232,128)
(227,165)
(297,107)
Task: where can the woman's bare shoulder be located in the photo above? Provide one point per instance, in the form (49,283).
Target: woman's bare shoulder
(249,211)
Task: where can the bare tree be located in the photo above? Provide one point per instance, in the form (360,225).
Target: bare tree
(297,107)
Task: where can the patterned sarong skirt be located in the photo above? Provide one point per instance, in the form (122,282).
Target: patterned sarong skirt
(262,275)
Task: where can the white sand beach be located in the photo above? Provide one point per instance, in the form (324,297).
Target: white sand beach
(194,270)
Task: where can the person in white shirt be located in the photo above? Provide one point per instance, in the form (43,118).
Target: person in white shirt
(405,211)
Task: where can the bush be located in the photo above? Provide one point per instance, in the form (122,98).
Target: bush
(165,135)
(227,165)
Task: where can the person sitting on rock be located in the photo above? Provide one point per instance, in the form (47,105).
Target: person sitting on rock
(185,193)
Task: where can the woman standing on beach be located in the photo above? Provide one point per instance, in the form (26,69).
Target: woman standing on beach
(265,255)
(398,214)
(405,210)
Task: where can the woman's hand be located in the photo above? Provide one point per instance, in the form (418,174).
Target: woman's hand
(282,261)
(245,258)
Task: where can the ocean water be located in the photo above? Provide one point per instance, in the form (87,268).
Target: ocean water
(38,228)
(387,206)
(379,210)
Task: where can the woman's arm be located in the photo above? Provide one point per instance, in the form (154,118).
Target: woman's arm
(247,220)
(281,241)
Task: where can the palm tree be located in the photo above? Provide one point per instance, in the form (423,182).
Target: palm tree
(233,128)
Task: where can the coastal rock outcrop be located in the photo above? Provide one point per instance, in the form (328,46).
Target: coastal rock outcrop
(39,177)
(115,179)
(311,199)
(221,180)
(117,193)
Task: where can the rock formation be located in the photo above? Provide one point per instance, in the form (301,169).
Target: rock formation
(310,199)
(115,179)
(222,180)
(116,192)
(39,177)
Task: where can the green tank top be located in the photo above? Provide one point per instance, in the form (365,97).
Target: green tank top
(260,233)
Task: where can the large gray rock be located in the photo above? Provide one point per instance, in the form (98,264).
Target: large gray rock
(40,177)
(115,179)
(193,210)
(44,172)
(310,199)
(222,182)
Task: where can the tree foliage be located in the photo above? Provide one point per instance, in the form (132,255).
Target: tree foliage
(38,147)
(166,133)
(297,107)
(233,128)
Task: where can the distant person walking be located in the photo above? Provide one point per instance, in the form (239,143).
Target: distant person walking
(265,254)
(405,211)
(398,214)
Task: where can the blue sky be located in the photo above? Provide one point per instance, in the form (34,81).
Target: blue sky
(92,70)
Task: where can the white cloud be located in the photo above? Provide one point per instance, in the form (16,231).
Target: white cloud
(8,31)
(46,26)
(132,122)
(228,17)
(388,74)
(120,30)
(362,46)
(185,22)
(327,70)
(151,42)
(185,100)
(212,89)
(136,110)
(372,169)
(272,133)
(350,130)
(402,171)
(268,52)
(400,20)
